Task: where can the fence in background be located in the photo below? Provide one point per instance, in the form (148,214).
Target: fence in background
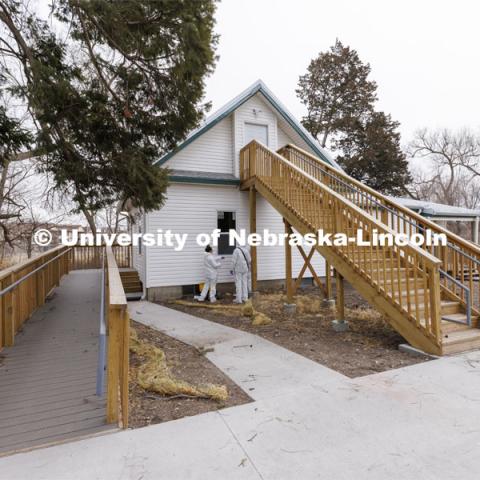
(85,257)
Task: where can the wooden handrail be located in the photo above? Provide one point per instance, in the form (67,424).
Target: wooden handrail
(459,258)
(118,324)
(319,206)
(18,267)
(381,227)
(26,286)
(383,199)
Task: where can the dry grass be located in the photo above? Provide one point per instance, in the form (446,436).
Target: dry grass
(260,319)
(154,375)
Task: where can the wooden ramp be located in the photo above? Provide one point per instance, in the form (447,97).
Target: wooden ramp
(48,379)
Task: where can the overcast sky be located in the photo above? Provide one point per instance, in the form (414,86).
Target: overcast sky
(424,54)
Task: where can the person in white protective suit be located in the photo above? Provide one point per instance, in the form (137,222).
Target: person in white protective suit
(211,264)
(241,261)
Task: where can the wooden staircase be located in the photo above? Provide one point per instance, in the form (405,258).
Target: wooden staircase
(132,284)
(412,286)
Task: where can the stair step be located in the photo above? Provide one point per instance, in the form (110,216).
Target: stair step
(131,282)
(461,341)
(420,293)
(448,308)
(133,289)
(456,317)
(128,275)
(448,327)
(373,260)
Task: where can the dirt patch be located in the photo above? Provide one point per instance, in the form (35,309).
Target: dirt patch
(369,346)
(186,364)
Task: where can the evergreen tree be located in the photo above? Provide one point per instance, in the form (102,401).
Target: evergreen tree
(13,137)
(123,88)
(340,101)
(335,90)
(371,153)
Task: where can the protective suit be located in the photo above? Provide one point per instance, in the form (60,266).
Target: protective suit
(211,265)
(241,261)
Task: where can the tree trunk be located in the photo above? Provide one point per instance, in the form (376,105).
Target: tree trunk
(3,181)
(324,140)
(90,219)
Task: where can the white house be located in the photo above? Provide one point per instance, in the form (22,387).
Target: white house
(204,195)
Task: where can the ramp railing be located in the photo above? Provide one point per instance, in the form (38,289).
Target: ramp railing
(25,286)
(118,330)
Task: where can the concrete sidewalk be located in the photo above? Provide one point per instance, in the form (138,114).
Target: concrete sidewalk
(261,368)
(307,422)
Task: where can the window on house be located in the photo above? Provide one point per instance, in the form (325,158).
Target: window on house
(225,222)
(257,132)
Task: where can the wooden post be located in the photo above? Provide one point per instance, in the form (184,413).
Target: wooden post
(435,302)
(384,216)
(58,271)
(40,277)
(288,263)
(115,342)
(252,157)
(340,298)
(125,356)
(2,319)
(253,229)
(8,313)
(118,366)
(328,281)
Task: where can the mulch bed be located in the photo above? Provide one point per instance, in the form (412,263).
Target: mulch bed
(186,363)
(369,346)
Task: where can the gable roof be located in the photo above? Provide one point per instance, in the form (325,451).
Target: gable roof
(257,87)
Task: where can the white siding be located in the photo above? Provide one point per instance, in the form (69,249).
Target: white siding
(286,134)
(271,260)
(192,209)
(255,110)
(211,152)
(283,138)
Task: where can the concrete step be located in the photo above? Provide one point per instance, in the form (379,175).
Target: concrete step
(133,296)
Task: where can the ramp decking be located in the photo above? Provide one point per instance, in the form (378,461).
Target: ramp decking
(48,379)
